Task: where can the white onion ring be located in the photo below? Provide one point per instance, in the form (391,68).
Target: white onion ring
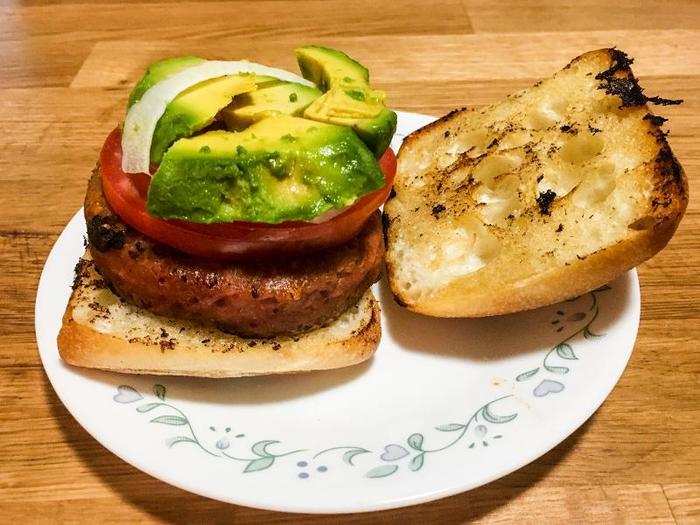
(143,116)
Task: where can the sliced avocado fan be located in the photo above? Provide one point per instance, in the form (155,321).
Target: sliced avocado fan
(281,98)
(279,169)
(348,99)
(195,109)
(160,71)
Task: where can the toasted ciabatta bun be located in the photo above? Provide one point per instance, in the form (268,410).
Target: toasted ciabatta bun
(102,331)
(548,194)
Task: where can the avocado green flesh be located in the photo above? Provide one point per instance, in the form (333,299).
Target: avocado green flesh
(328,67)
(264,81)
(194,109)
(159,71)
(286,98)
(279,169)
(378,131)
(348,99)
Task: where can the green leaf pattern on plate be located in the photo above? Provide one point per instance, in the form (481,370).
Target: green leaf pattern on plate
(527,375)
(350,455)
(169,420)
(416,462)
(563,349)
(179,439)
(415,441)
(382,471)
(451,427)
(259,448)
(147,407)
(474,432)
(495,418)
(259,464)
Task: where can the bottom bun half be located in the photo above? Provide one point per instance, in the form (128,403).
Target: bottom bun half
(102,331)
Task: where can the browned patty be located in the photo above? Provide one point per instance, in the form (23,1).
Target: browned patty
(255,299)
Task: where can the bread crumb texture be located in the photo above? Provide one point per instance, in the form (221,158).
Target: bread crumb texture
(488,198)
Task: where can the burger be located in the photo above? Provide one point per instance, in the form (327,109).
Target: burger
(232,222)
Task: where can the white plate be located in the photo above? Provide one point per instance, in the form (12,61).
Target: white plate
(443,407)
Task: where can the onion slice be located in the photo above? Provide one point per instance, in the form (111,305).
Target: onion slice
(142,117)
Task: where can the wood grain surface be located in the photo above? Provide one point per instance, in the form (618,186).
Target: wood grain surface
(66,71)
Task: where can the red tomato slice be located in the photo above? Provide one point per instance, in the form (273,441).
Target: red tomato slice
(126,195)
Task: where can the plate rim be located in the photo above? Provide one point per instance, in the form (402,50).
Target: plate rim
(351,507)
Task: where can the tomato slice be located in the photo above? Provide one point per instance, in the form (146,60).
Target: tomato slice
(126,194)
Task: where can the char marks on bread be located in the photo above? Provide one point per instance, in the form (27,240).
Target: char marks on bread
(545,195)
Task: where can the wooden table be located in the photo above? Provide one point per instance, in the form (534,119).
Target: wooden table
(66,70)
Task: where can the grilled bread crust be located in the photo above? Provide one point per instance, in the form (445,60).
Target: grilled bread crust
(548,194)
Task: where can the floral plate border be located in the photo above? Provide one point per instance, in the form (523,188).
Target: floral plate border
(476,427)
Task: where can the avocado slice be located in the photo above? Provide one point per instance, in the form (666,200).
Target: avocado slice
(348,99)
(286,98)
(378,131)
(195,108)
(362,109)
(328,67)
(279,169)
(159,71)
(263,81)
